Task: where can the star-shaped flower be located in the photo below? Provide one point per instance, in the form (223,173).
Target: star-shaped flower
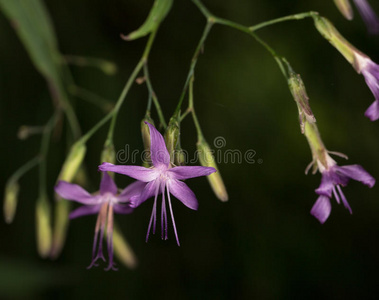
(333,177)
(104,203)
(162,177)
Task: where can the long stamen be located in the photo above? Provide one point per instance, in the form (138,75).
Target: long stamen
(110,239)
(163,215)
(99,230)
(344,201)
(153,214)
(336,195)
(172,214)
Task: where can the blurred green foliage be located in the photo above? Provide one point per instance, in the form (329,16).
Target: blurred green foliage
(263,243)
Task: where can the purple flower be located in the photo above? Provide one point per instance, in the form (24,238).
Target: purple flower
(104,203)
(160,178)
(370,72)
(368,16)
(333,177)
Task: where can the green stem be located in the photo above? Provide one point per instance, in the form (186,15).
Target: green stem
(91,97)
(295,17)
(192,109)
(153,96)
(43,153)
(25,168)
(199,47)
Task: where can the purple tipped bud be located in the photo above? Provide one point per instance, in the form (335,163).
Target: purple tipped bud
(345,8)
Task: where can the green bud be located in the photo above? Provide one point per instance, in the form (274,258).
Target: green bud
(215,180)
(180,157)
(108,154)
(122,249)
(73,162)
(172,136)
(330,33)
(297,88)
(146,139)
(10,200)
(345,8)
(43,226)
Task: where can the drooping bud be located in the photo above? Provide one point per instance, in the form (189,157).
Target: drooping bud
(108,154)
(10,200)
(207,159)
(62,207)
(172,136)
(122,249)
(330,33)
(146,139)
(301,98)
(72,162)
(345,8)
(43,226)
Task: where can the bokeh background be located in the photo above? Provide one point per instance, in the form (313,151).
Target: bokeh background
(261,244)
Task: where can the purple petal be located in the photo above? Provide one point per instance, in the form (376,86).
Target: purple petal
(136,172)
(131,191)
(321,209)
(107,185)
(182,192)
(357,173)
(370,72)
(70,191)
(368,16)
(373,111)
(151,189)
(326,186)
(85,211)
(158,149)
(122,209)
(186,172)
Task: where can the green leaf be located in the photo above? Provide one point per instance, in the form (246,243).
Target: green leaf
(157,13)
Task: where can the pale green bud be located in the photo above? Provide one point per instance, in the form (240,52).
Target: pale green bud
(145,131)
(108,154)
(345,8)
(215,180)
(72,162)
(10,200)
(122,249)
(43,226)
(330,33)
(172,136)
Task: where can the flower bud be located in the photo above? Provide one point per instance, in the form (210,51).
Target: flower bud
(10,200)
(72,162)
(345,8)
(300,96)
(215,180)
(43,226)
(172,136)
(108,154)
(330,33)
(146,139)
(122,249)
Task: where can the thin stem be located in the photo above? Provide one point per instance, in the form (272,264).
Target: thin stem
(153,96)
(295,17)
(43,153)
(129,83)
(24,169)
(199,47)
(91,97)
(192,109)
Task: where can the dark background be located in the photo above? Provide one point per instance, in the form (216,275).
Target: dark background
(263,243)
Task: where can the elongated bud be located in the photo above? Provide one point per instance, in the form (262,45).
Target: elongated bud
(180,158)
(172,136)
(122,249)
(330,33)
(345,8)
(146,139)
(108,154)
(72,162)
(297,88)
(43,226)
(62,207)
(10,200)
(215,180)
